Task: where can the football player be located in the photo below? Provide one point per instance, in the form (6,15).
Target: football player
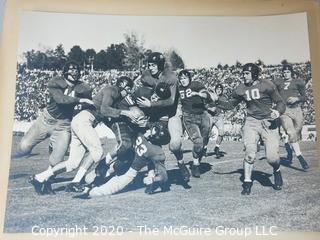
(293,92)
(259,96)
(65,93)
(147,150)
(196,120)
(158,72)
(84,136)
(119,161)
(217,119)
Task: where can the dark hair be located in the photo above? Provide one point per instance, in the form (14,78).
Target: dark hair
(124,79)
(184,72)
(67,66)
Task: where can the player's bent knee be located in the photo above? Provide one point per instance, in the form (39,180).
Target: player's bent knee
(24,148)
(273,158)
(250,158)
(96,154)
(293,137)
(198,147)
(162,177)
(175,145)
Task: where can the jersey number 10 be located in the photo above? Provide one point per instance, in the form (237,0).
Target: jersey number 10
(253,94)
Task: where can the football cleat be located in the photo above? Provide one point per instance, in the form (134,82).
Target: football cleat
(74,187)
(151,188)
(38,186)
(184,172)
(303,162)
(246,188)
(195,171)
(47,187)
(278,182)
(83,196)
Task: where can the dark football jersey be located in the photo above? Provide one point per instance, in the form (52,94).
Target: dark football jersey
(192,104)
(145,149)
(106,102)
(291,88)
(259,99)
(168,106)
(217,110)
(63,98)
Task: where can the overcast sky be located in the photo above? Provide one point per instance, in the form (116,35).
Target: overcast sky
(200,41)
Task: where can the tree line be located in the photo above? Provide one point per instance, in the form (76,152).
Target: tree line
(128,55)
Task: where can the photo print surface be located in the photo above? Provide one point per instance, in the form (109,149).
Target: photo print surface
(163,125)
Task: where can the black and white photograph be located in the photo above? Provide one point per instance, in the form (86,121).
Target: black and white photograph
(163,125)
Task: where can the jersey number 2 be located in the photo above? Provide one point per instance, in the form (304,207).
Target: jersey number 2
(253,94)
(186,93)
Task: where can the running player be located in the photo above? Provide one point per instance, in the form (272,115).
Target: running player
(293,92)
(259,96)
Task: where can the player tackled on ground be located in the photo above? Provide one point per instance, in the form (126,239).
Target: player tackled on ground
(259,96)
(148,150)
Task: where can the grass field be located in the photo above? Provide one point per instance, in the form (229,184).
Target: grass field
(213,200)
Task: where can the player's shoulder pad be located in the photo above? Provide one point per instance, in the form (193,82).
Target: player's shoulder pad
(268,83)
(277,81)
(239,89)
(147,79)
(197,84)
(169,77)
(83,90)
(57,82)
